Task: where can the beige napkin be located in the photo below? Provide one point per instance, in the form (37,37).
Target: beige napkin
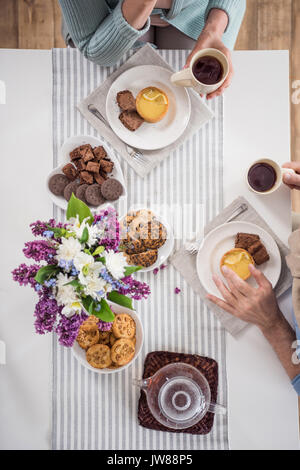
(186,264)
(293,262)
(200,112)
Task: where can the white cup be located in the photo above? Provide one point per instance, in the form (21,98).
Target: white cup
(279,175)
(186,77)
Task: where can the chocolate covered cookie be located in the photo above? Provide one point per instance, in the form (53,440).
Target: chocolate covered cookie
(57,184)
(93,195)
(70,188)
(111,189)
(80,192)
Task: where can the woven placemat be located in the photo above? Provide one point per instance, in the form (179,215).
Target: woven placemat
(158,359)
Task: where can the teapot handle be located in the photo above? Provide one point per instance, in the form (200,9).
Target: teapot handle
(217,409)
(143,383)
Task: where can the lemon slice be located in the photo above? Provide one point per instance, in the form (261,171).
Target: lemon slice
(153,95)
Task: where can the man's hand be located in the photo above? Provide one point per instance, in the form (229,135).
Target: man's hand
(253,305)
(211,37)
(290,179)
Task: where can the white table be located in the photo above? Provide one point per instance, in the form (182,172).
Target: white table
(262,405)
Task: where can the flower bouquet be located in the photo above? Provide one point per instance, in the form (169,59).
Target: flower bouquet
(84,268)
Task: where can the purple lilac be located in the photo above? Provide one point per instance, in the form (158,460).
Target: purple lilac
(135,289)
(38,227)
(177,290)
(104,326)
(40,251)
(24,274)
(107,221)
(67,328)
(46,311)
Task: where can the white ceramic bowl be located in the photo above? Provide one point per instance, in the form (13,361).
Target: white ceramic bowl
(167,248)
(80,353)
(64,157)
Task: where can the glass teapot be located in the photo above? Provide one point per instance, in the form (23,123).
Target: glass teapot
(178,396)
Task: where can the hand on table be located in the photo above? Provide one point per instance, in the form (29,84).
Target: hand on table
(209,39)
(290,179)
(253,305)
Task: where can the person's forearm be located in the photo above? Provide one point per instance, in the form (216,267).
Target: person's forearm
(281,337)
(216,22)
(137,13)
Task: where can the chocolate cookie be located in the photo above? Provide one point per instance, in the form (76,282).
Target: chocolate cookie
(111,189)
(70,188)
(57,184)
(80,192)
(93,195)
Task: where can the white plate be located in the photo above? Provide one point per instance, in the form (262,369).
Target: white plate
(80,353)
(221,240)
(150,136)
(167,248)
(64,157)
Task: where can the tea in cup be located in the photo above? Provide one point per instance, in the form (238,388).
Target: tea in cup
(208,70)
(265,176)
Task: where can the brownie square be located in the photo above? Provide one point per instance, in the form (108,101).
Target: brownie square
(98,178)
(106,166)
(86,177)
(244,240)
(99,152)
(70,171)
(93,167)
(261,256)
(75,154)
(80,165)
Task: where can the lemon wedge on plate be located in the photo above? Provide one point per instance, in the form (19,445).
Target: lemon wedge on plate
(152,104)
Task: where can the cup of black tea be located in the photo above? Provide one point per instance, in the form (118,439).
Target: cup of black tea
(207,71)
(265,176)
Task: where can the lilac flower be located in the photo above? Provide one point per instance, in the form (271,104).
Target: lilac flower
(39,228)
(24,274)
(155,271)
(67,328)
(104,326)
(163,266)
(135,289)
(177,290)
(40,251)
(107,221)
(46,311)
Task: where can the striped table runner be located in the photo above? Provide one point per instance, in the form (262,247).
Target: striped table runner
(92,411)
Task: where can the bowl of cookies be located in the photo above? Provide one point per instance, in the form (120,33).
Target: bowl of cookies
(113,350)
(90,171)
(146,238)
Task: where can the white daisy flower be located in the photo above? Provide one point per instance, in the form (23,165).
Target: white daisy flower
(78,228)
(115,263)
(66,294)
(83,261)
(68,249)
(71,309)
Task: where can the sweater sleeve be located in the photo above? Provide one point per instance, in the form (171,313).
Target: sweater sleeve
(296,384)
(233,8)
(101,34)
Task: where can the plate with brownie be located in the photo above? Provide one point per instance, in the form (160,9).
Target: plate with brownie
(145,109)
(90,171)
(237,245)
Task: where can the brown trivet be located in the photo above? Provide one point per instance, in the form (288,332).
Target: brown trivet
(158,359)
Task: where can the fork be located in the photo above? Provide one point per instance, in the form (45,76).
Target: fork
(193,247)
(136,154)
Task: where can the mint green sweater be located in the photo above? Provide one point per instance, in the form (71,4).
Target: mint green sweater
(102,34)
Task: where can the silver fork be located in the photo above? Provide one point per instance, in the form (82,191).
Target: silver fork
(193,247)
(136,154)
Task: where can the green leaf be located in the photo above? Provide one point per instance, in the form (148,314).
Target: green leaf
(98,250)
(105,313)
(120,299)
(77,207)
(58,232)
(76,284)
(45,273)
(85,235)
(86,302)
(131,269)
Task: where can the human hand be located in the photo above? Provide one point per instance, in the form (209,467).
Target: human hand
(257,305)
(212,39)
(290,179)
